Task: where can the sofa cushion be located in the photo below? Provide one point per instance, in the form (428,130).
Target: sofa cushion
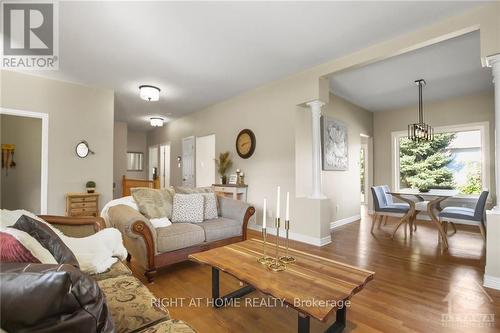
(178,236)
(188,208)
(210,211)
(220,228)
(11,250)
(48,239)
(51,298)
(169,326)
(154,203)
(130,303)
(118,269)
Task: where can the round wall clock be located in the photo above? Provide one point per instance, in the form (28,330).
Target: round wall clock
(82,149)
(245,143)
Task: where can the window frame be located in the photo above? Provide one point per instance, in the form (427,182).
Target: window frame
(482,127)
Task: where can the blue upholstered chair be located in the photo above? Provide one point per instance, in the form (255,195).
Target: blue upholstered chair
(469,216)
(385,206)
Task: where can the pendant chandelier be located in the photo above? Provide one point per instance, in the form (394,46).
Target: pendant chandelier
(420,131)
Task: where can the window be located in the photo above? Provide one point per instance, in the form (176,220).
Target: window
(456,159)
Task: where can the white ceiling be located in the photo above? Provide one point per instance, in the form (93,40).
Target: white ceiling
(450,68)
(200,53)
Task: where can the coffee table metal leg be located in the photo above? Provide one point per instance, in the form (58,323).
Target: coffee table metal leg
(220,301)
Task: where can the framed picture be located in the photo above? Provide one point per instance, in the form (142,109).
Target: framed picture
(233,179)
(335,145)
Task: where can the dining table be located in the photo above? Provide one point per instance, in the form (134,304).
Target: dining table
(429,202)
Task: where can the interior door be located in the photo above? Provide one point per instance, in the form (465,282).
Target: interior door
(205,165)
(153,161)
(164,165)
(188,161)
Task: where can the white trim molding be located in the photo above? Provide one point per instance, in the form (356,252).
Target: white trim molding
(347,220)
(45,150)
(492,282)
(316,241)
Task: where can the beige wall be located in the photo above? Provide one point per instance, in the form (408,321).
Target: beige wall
(343,187)
(137,143)
(21,185)
(75,112)
(119,156)
(455,111)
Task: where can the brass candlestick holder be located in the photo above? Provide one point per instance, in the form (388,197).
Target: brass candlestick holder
(287,259)
(265,259)
(276,265)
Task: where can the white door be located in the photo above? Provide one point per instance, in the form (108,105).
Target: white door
(164,165)
(188,166)
(153,161)
(205,164)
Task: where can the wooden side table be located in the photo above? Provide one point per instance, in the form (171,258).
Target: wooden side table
(82,204)
(237,192)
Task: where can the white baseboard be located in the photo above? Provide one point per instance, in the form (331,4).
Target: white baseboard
(316,241)
(339,223)
(492,282)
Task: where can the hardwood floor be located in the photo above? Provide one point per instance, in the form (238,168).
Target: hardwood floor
(408,294)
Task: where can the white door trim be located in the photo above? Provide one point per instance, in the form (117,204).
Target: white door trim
(45,150)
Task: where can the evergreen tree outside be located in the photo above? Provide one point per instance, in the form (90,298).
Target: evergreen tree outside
(423,164)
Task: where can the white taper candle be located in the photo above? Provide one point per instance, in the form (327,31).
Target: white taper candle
(264,214)
(278,203)
(287,211)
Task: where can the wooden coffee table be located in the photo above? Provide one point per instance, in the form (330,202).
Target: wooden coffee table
(313,285)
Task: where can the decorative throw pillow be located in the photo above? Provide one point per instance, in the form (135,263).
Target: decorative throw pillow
(188,208)
(36,249)
(154,203)
(11,250)
(191,190)
(210,206)
(48,239)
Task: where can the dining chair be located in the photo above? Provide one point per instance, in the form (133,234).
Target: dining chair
(468,216)
(385,206)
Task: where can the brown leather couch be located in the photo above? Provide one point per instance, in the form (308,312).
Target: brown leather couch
(61,298)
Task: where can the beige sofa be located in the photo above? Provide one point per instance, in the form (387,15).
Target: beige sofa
(154,248)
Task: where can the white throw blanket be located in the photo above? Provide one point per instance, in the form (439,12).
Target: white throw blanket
(95,253)
(128,201)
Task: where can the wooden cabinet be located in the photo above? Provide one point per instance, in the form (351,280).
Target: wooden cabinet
(237,192)
(82,204)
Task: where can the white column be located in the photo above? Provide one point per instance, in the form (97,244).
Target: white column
(316,148)
(494,62)
(492,269)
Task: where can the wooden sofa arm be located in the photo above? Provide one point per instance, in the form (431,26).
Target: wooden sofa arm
(248,214)
(75,226)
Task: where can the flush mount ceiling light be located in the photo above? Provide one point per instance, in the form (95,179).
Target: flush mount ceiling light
(420,131)
(149,93)
(156,121)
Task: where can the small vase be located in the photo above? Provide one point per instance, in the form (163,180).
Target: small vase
(223,180)
(90,189)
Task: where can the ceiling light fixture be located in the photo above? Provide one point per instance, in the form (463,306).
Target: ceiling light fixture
(420,131)
(156,121)
(149,93)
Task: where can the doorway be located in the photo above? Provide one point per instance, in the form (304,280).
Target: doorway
(153,162)
(188,166)
(24,138)
(164,165)
(205,161)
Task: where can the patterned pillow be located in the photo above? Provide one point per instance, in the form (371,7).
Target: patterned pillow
(210,206)
(188,208)
(154,203)
(11,250)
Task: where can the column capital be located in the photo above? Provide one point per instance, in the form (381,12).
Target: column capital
(494,62)
(317,104)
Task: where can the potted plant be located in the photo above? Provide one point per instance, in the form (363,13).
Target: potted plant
(90,186)
(224,163)
(424,186)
